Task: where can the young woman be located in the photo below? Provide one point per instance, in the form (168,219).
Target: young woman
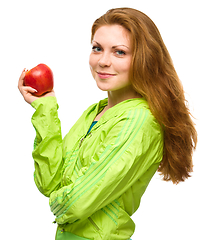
(96,176)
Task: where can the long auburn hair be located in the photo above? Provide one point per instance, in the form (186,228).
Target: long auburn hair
(153,75)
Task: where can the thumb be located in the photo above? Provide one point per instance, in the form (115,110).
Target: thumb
(30,89)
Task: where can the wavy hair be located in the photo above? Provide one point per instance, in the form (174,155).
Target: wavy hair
(153,75)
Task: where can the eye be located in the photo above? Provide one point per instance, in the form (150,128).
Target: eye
(96,49)
(120,53)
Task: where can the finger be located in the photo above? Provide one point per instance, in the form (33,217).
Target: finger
(29,89)
(23,73)
(21,78)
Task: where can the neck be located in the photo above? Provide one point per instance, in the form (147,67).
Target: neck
(115,97)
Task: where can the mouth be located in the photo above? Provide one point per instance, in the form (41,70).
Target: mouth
(104,75)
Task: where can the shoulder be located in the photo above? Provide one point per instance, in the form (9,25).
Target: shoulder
(140,124)
(142,132)
(137,111)
(135,119)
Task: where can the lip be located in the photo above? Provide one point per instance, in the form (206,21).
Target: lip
(104,75)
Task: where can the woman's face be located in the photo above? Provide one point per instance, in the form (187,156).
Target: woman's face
(111,58)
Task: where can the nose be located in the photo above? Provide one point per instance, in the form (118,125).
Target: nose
(105,60)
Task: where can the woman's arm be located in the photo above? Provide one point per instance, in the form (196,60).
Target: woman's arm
(131,149)
(47,152)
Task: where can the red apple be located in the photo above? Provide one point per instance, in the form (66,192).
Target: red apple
(39,78)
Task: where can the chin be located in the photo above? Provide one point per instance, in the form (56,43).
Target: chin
(103,87)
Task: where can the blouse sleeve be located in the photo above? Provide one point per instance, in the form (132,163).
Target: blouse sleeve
(132,146)
(47,153)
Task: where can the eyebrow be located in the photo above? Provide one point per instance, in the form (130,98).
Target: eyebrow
(113,46)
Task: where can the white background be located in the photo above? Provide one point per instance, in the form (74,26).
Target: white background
(57,33)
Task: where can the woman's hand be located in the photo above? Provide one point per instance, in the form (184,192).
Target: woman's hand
(28,92)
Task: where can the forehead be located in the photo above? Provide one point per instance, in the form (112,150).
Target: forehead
(112,34)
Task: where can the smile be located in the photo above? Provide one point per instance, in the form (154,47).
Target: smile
(104,75)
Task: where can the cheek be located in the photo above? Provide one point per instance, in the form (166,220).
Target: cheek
(92,62)
(123,67)
(92,65)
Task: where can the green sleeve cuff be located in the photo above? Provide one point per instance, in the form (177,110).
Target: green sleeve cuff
(50,101)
